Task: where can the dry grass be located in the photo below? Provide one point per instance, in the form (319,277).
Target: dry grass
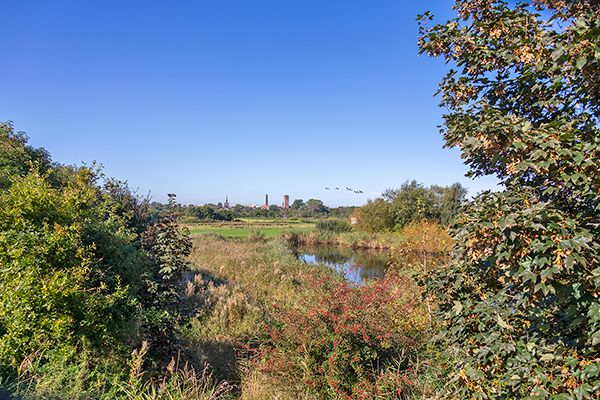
(237,283)
(179,383)
(267,272)
(424,236)
(257,385)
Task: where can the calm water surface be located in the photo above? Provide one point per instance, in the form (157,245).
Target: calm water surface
(357,265)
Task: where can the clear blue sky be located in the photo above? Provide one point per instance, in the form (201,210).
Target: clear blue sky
(208,98)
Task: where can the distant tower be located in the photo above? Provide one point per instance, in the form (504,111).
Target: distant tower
(266,200)
(226,205)
(286,201)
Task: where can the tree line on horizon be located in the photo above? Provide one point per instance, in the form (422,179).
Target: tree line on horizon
(396,208)
(312,208)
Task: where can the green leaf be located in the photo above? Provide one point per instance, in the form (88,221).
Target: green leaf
(457,307)
(503,324)
(547,357)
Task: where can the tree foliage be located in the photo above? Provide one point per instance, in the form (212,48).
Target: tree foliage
(314,207)
(209,212)
(16,157)
(412,202)
(84,269)
(520,299)
(375,216)
(56,287)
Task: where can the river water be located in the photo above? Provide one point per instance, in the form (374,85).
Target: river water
(357,265)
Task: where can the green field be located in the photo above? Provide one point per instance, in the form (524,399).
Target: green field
(267,227)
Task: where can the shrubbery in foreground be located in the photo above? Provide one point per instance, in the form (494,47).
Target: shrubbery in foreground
(353,343)
(85,274)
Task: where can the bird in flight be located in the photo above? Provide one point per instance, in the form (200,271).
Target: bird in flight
(347,188)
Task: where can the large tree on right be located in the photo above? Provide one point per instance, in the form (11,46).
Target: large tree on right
(520,300)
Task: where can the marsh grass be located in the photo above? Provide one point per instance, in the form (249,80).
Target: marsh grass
(179,382)
(242,282)
(250,287)
(266,272)
(422,237)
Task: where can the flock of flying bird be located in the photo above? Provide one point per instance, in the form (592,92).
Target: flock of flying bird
(348,189)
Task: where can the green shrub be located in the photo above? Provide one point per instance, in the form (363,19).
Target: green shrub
(353,342)
(85,273)
(333,225)
(410,204)
(166,247)
(70,373)
(55,287)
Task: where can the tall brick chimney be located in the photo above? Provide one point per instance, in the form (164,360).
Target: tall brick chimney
(286,201)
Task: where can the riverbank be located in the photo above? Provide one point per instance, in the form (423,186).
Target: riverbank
(265,310)
(424,237)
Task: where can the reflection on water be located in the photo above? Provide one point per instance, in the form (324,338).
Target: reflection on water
(357,265)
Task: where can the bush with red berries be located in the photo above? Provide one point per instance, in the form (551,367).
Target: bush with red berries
(353,343)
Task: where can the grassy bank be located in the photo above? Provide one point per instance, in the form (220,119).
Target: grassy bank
(241,282)
(418,238)
(278,328)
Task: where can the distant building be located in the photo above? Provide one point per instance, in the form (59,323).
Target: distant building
(266,205)
(226,205)
(286,201)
